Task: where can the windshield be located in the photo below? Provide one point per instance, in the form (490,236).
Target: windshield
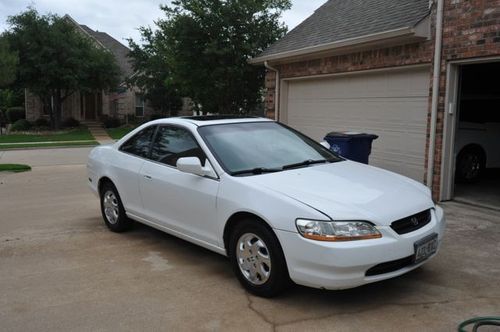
(260,147)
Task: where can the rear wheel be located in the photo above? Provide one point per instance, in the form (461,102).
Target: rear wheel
(257,259)
(112,209)
(470,165)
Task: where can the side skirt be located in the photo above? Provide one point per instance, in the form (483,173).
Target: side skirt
(170,231)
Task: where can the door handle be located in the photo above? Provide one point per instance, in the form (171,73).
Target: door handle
(148,177)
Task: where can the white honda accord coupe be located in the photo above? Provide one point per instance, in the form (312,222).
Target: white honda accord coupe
(281,206)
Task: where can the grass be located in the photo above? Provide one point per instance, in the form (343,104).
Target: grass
(45,145)
(14,168)
(117,133)
(77,134)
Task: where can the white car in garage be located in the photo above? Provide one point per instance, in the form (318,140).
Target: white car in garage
(478,147)
(281,206)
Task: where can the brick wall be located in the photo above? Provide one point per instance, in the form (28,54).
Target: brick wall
(471,29)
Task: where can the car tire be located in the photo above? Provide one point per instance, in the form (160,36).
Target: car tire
(470,165)
(112,209)
(257,259)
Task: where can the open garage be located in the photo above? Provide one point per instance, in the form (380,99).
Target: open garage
(472,167)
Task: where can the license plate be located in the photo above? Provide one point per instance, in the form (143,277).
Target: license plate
(425,247)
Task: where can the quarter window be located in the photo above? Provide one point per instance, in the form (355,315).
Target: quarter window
(172,143)
(140,143)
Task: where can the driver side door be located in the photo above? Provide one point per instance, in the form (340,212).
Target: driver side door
(179,201)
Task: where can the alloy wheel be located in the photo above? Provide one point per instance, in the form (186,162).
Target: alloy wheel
(253,258)
(111,208)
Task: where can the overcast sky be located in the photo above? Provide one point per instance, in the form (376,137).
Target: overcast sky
(121,18)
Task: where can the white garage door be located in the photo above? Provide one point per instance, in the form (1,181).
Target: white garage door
(392,104)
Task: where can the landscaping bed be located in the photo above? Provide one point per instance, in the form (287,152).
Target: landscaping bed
(14,168)
(76,134)
(80,136)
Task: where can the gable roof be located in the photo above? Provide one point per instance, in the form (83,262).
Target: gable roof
(343,20)
(119,51)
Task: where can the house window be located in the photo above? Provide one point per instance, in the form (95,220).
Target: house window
(139,105)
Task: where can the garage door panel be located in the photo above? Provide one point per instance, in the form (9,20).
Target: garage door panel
(391,104)
(396,84)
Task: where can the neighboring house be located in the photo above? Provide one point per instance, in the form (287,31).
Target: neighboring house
(93,106)
(367,65)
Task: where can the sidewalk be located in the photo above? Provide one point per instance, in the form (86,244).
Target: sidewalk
(99,133)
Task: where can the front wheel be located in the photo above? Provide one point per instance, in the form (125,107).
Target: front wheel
(112,209)
(257,259)
(470,165)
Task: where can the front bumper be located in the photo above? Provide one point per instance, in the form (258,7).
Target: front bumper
(340,265)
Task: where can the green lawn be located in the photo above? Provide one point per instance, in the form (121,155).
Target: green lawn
(78,134)
(14,168)
(117,133)
(45,145)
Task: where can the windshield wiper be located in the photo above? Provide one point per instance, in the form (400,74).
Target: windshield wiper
(257,170)
(307,163)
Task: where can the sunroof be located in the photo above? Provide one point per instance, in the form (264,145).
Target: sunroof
(218,117)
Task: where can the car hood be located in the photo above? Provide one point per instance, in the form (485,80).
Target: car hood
(350,191)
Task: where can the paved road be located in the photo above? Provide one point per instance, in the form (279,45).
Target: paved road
(60,269)
(46,157)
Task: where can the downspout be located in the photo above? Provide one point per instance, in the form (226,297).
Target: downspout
(276,89)
(435,91)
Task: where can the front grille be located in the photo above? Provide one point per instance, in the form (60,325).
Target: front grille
(412,223)
(389,266)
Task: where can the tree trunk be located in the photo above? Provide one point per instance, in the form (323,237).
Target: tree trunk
(47,101)
(57,109)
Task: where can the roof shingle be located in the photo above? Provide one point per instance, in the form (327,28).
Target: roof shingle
(337,20)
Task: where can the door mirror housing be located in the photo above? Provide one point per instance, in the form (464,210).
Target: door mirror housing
(193,165)
(325,144)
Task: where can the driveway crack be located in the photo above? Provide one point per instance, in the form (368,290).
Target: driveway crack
(262,316)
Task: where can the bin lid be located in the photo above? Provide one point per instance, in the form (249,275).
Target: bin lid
(351,134)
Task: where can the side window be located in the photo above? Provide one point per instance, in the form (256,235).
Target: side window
(139,143)
(172,143)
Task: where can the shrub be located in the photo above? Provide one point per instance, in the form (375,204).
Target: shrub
(15,113)
(111,122)
(70,123)
(21,125)
(41,122)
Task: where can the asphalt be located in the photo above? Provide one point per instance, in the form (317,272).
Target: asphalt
(61,269)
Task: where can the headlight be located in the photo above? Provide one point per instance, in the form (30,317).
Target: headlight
(336,230)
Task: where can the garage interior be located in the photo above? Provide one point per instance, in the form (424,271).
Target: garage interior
(477,138)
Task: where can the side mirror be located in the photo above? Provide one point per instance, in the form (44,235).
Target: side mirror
(325,144)
(192,165)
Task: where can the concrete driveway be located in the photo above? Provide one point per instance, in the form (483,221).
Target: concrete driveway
(61,269)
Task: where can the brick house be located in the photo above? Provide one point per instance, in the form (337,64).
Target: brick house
(93,106)
(368,66)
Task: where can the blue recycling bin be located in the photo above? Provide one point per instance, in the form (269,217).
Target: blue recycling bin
(351,145)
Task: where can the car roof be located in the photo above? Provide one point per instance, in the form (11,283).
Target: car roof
(207,120)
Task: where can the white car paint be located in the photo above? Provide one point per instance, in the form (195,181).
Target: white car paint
(484,135)
(197,208)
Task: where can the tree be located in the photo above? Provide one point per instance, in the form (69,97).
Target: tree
(152,73)
(206,44)
(8,63)
(55,60)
